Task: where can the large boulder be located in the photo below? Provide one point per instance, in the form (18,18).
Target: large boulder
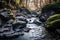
(49,10)
(53,23)
(5,15)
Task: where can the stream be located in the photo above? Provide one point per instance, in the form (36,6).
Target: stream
(37,32)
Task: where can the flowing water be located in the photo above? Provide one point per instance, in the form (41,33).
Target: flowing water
(37,32)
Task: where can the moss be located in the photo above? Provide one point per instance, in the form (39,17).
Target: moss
(52,18)
(53,21)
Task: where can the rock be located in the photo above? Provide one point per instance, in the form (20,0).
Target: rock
(52,20)
(53,24)
(49,10)
(12,27)
(26,29)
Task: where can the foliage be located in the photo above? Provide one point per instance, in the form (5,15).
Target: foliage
(53,6)
(11,4)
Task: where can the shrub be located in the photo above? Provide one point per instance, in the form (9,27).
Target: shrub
(55,7)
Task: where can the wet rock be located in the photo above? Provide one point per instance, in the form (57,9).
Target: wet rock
(44,16)
(25,11)
(13,27)
(26,29)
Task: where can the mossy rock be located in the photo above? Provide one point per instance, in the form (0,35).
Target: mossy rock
(11,15)
(53,21)
(49,10)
